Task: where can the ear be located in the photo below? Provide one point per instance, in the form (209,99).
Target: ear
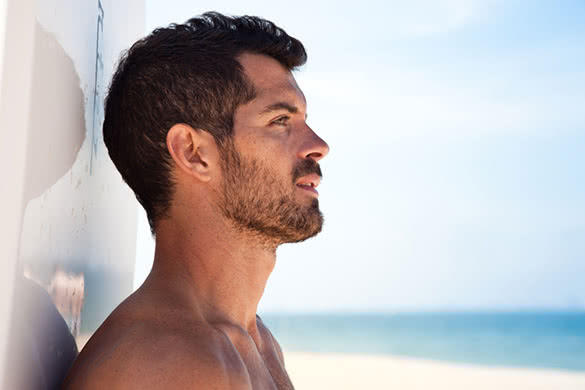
(192,150)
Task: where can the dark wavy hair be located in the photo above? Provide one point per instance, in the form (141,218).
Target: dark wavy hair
(184,73)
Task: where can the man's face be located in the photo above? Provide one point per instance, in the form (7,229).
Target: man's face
(270,166)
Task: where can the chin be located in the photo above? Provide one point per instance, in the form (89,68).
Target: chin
(311,227)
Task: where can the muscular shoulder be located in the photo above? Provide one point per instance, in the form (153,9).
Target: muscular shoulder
(159,357)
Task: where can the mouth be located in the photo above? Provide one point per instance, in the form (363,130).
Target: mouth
(309,183)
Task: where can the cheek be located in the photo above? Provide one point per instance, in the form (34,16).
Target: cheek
(271,151)
(278,171)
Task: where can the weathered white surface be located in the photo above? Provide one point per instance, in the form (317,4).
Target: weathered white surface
(62,201)
(17,36)
(3,4)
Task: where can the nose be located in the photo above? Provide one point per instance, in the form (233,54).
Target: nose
(314,147)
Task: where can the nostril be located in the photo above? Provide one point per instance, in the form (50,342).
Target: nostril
(315,156)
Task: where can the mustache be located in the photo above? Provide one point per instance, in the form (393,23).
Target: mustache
(306,167)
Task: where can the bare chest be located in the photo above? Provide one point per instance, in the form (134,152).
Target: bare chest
(267,373)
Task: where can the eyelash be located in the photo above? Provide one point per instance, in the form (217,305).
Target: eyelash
(282,120)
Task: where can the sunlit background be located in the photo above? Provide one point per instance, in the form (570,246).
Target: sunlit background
(455,180)
(456,176)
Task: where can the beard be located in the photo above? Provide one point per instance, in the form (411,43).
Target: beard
(258,201)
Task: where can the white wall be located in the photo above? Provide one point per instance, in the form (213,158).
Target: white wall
(3,4)
(62,201)
(16,59)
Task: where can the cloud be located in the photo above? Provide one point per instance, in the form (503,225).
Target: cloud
(405,18)
(407,103)
(424,17)
(340,18)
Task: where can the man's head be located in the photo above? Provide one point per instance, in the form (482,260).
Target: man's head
(203,76)
(272,153)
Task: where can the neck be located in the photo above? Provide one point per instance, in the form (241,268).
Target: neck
(218,269)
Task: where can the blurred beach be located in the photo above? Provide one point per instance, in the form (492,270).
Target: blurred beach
(481,350)
(537,340)
(317,371)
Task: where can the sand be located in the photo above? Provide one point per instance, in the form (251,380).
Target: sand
(312,371)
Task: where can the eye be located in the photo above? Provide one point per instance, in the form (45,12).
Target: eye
(283,120)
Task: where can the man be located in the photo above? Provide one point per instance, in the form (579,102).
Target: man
(207,125)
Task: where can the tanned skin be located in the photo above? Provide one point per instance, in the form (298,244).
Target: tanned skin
(193,323)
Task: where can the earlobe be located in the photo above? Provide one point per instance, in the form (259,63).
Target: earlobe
(189,150)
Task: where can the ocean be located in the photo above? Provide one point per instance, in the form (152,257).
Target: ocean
(553,340)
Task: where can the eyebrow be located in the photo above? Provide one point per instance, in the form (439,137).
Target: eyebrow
(280,106)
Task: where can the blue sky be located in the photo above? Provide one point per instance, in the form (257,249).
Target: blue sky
(456,177)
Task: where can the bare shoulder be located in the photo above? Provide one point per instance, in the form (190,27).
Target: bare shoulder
(161,361)
(127,353)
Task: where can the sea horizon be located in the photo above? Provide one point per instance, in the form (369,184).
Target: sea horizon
(541,339)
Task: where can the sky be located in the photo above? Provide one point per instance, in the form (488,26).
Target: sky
(456,173)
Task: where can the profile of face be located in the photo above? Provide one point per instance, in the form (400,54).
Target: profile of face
(270,166)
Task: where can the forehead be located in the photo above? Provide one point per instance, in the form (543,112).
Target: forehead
(271,80)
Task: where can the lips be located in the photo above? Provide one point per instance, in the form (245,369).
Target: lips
(309,183)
